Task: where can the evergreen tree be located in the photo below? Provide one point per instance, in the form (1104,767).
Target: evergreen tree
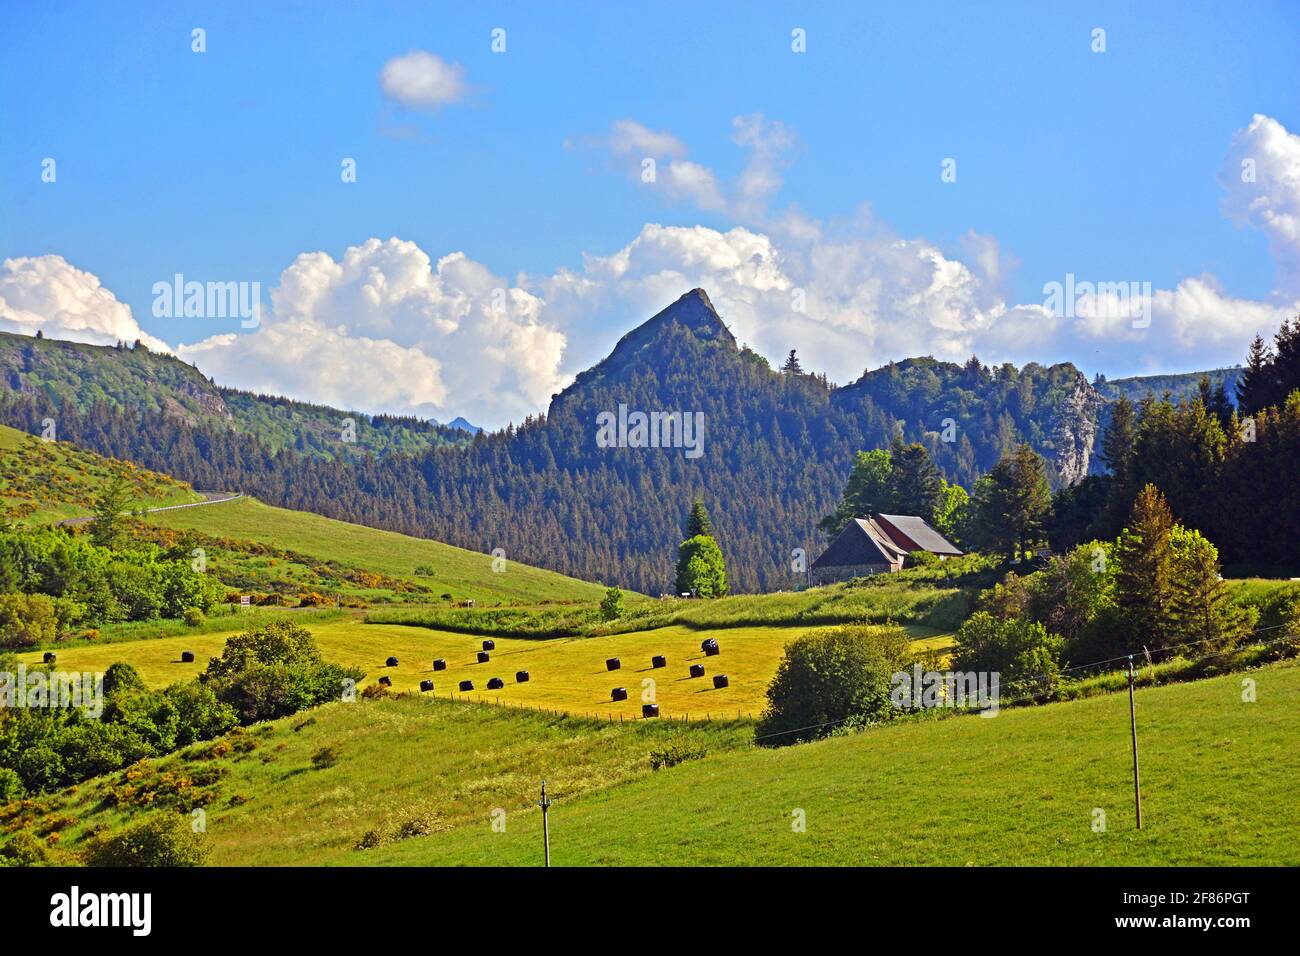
(1255,388)
(1144,581)
(1201,605)
(915,487)
(1117,442)
(1011,503)
(792,366)
(697,522)
(106,526)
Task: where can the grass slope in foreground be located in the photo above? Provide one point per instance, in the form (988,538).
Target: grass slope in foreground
(416,782)
(1219,778)
(464,574)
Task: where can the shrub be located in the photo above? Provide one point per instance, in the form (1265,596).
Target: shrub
(27,620)
(157,839)
(833,676)
(327,756)
(274,671)
(1024,655)
(11,785)
(194,616)
(23,849)
(611,605)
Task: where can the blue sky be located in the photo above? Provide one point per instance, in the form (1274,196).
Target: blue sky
(225,165)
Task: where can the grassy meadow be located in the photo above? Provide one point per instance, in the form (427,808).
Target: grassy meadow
(463,574)
(414,781)
(566,674)
(1018,789)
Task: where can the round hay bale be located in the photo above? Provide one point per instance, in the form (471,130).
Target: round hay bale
(467,685)
(720,680)
(658,661)
(613,664)
(704,644)
(391,662)
(49,657)
(697,670)
(426,686)
(187,657)
(618,693)
(483,657)
(386,681)
(649,710)
(496,683)
(712,650)
(521,677)
(489,645)
(439,664)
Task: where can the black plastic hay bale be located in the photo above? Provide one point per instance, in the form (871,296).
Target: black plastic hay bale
(386,681)
(613,664)
(439,664)
(49,657)
(658,661)
(712,650)
(391,662)
(489,645)
(467,685)
(720,680)
(618,693)
(697,670)
(649,710)
(496,683)
(483,657)
(521,677)
(187,657)
(426,686)
(704,644)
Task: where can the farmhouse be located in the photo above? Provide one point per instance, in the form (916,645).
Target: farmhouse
(878,544)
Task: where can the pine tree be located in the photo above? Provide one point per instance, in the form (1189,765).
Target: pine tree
(1144,581)
(1201,605)
(1011,503)
(1255,387)
(697,522)
(792,366)
(1117,442)
(106,526)
(915,487)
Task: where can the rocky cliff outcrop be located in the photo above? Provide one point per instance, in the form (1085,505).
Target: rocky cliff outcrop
(1074,435)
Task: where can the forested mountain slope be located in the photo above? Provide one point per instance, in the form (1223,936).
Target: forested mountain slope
(775,446)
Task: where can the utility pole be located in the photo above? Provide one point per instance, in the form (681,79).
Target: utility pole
(545,804)
(1133,727)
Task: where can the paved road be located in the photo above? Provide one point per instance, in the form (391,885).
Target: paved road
(210,498)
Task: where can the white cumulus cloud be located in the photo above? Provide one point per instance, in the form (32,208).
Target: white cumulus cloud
(1261,176)
(422,79)
(385,329)
(49,295)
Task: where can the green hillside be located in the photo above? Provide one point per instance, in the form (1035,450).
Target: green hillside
(416,781)
(437,568)
(64,376)
(45,481)
(1020,789)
